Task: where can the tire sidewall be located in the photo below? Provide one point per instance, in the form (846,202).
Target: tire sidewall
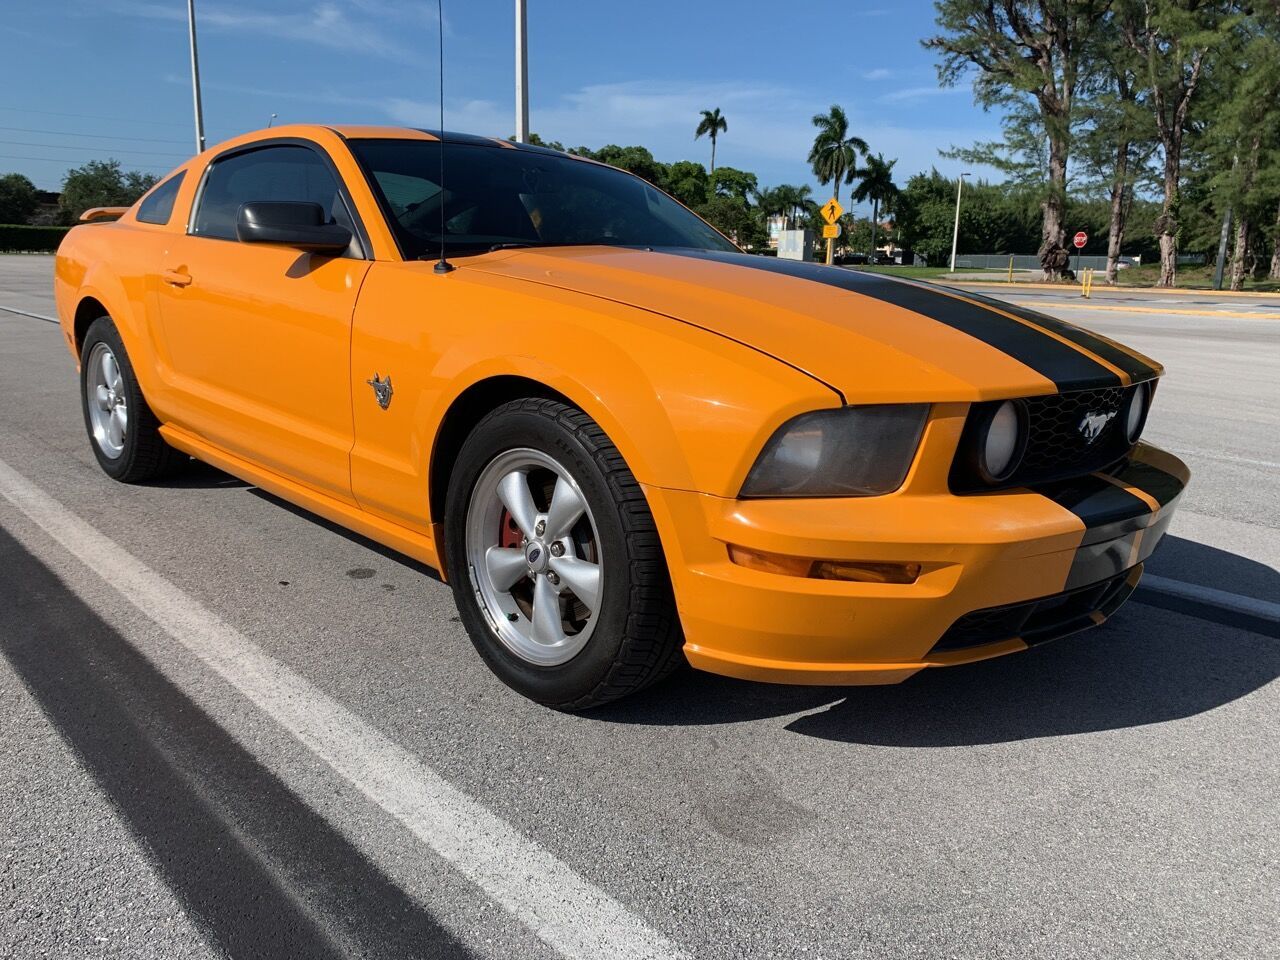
(577,677)
(103,330)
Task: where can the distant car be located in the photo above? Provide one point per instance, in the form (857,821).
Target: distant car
(621,440)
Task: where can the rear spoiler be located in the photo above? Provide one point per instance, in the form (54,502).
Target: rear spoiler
(103,213)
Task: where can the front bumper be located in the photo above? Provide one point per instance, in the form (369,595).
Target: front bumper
(1075,548)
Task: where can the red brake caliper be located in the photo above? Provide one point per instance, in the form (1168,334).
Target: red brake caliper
(509,534)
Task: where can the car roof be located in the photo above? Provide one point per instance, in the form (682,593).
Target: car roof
(369,132)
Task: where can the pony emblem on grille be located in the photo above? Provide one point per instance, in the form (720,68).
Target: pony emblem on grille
(1092,424)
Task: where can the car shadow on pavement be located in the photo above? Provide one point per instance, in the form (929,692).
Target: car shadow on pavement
(199,476)
(303,513)
(262,873)
(1146,665)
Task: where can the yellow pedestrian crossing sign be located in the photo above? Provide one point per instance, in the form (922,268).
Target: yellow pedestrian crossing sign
(831,210)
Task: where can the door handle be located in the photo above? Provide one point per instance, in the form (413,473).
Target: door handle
(176,278)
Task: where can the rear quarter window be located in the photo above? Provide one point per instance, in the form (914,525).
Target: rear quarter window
(157,206)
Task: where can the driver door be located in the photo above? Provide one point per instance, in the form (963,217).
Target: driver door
(259,334)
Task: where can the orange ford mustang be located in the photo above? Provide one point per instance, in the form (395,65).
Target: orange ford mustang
(620,439)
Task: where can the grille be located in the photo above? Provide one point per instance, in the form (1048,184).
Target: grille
(1044,619)
(1054,439)
(1056,446)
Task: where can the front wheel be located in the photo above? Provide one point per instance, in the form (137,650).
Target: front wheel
(554,559)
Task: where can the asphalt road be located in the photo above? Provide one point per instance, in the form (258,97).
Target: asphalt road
(228,729)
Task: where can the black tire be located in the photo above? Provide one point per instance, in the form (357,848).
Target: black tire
(145,455)
(637,639)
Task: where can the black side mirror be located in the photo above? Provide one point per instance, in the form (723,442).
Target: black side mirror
(291,224)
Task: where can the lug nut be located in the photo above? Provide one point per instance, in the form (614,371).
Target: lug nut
(553,579)
(557,549)
(541,528)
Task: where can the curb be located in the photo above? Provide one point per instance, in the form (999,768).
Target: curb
(1154,308)
(1176,291)
(1206,603)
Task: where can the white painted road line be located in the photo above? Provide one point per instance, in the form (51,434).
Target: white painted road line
(27,313)
(573,916)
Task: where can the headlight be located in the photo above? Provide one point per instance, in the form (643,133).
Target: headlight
(1135,411)
(846,452)
(1001,441)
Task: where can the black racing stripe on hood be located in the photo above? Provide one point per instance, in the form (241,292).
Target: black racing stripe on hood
(1067,367)
(1114,355)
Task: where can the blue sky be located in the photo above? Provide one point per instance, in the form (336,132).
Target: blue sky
(104,78)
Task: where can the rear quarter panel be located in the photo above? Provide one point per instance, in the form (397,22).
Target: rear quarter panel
(116,264)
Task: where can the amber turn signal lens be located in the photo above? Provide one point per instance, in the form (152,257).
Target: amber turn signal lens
(770,562)
(866,571)
(860,571)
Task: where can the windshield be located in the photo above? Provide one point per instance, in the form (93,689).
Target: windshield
(498,197)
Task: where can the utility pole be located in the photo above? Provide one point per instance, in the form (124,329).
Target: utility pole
(195,76)
(522,73)
(955,232)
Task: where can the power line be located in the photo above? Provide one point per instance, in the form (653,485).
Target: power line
(68,146)
(136,166)
(93,116)
(91,136)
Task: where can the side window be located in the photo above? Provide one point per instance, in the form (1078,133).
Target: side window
(271,173)
(157,206)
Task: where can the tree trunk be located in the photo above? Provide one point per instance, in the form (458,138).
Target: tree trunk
(1239,252)
(713,160)
(875,216)
(1167,222)
(1275,249)
(1115,236)
(1054,257)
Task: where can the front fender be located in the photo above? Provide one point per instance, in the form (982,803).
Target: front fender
(687,408)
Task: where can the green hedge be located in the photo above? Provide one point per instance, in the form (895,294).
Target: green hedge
(16,238)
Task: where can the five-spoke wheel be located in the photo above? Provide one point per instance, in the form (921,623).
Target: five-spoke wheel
(108,404)
(123,430)
(554,559)
(535,554)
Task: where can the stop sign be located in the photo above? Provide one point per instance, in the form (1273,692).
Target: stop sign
(1080,239)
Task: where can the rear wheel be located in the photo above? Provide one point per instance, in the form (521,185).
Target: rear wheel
(554,559)
(124,433)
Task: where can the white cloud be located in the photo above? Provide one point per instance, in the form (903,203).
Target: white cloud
(340,24)
(879,73)
(920,93)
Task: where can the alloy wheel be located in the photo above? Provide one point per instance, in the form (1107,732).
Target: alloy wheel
(534,556)
(106,401)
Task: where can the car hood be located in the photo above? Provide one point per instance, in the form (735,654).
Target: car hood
(872,338)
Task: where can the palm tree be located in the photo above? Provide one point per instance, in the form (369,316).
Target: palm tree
(835,152)
(875,183)
(714,124)
(791,200)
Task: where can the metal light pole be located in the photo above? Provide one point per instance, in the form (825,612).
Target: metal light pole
(955,232)
(522,74)
(195,76)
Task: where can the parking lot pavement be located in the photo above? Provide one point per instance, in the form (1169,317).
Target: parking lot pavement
(229,729)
